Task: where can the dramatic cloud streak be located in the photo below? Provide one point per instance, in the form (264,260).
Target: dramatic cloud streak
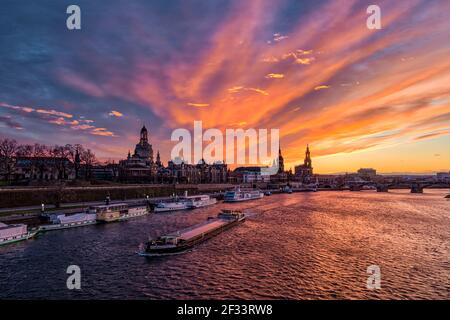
(247,63)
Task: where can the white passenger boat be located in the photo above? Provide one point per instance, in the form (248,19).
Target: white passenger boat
(173,205)
(63,221)
(199,201)
(14,233)
(242,195)
(135,211)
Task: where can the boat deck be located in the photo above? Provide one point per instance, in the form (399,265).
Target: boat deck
(194,231)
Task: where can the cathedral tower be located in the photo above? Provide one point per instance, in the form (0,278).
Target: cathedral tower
(308,162)
(280,161)
(144,136)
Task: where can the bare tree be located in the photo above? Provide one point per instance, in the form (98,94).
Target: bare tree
(39,164)
(56,159)
(89,160)
(8,149)
(24,150)
(74,153)
(55,153)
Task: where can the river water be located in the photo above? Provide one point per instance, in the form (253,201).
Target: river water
(294,246)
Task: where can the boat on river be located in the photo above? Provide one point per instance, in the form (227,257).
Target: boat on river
(239,195)
(175,204)
(185,239)
(199,201)
(14,233)
(65,221)
(118,212)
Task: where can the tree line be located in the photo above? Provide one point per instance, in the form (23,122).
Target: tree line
(42,158)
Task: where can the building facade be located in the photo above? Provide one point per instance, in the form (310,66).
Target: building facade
(367,173)
(141,168)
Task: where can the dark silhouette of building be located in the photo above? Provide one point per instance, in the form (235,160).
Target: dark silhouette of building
(182,172)
(139,167)
(367,173)
(280,162)
(304,172)
(143,149)
(281,176)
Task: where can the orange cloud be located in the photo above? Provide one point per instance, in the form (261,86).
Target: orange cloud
(102,132)
(391,104)
(275,76)
(114,113)
(304,60)
(198,104)
(54,113)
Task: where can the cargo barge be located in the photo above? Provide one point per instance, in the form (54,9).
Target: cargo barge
(187,238)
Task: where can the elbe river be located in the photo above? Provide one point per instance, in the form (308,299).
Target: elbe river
(293,246)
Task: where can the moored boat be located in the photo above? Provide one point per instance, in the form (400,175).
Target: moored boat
(63,221)
(239,195)
(109,212)
(118,212)
(187,238)
(134,211)
(199,201)
(173,205)
(15,233)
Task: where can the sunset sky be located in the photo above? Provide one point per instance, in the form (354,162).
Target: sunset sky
(359,97)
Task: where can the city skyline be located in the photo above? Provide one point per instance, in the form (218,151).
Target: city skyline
(359,97)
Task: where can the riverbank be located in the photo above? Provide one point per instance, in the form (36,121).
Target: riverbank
(59,196)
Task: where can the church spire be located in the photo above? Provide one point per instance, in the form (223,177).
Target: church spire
(280,161)
(144,135)
(308,157)
(158,159)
